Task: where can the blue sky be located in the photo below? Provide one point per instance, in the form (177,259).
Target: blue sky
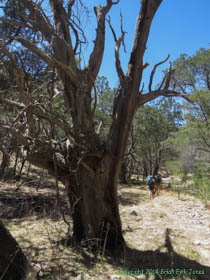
(180,26)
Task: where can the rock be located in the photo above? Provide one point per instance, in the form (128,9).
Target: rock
(36,267)
(205,254)
(83,276)
(134,213)
(115,277)
(123,211)
(13,263)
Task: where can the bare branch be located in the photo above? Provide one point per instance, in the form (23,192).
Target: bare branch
(13,23)
(75,27)
(171,93)
(168,78)
(122,31)
(154,69)
(163,81)
(60,39)
(143,25)
(39,20)
(13,103)
(145,65)
(70,5)
(144,98)
(18,73)
(118,42)
(76,36)
(112,29)
(96,56)
(34,49)
(38,51)
(38,7)
(60,17)
(35,109)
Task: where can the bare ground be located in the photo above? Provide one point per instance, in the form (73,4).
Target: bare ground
(153,224)
(167,237)
(186,218)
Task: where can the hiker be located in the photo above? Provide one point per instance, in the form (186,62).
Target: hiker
(158,180)
(151,185)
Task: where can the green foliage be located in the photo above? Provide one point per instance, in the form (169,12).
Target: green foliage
(192,140)
(103,114)
(201,184)
(192,72)
(6,76)
(154,124)
(15,11)
(198,120)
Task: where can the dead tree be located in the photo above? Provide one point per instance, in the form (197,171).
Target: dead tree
(89,167)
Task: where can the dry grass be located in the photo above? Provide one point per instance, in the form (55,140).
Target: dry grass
(161,234)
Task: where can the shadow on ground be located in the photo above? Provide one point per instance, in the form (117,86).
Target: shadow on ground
(37,181)
(23,205)
(130,198)
(163,265)
(65,263)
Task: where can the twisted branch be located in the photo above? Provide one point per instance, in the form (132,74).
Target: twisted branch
(154,69)
(96,56)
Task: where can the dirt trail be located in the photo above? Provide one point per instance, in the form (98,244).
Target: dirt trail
(145,223)
(161,233)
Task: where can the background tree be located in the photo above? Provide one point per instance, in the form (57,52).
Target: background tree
(70,148)
(157,123)
(103,113)
(193,75)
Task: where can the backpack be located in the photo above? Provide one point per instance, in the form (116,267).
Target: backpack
(149,179)
(158,179)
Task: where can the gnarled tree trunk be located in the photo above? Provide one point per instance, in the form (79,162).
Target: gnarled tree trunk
(95,204)
(89,168)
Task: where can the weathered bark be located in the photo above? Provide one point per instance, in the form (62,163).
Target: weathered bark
(13,263)
(94,203)
(90,173)
(89,169)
